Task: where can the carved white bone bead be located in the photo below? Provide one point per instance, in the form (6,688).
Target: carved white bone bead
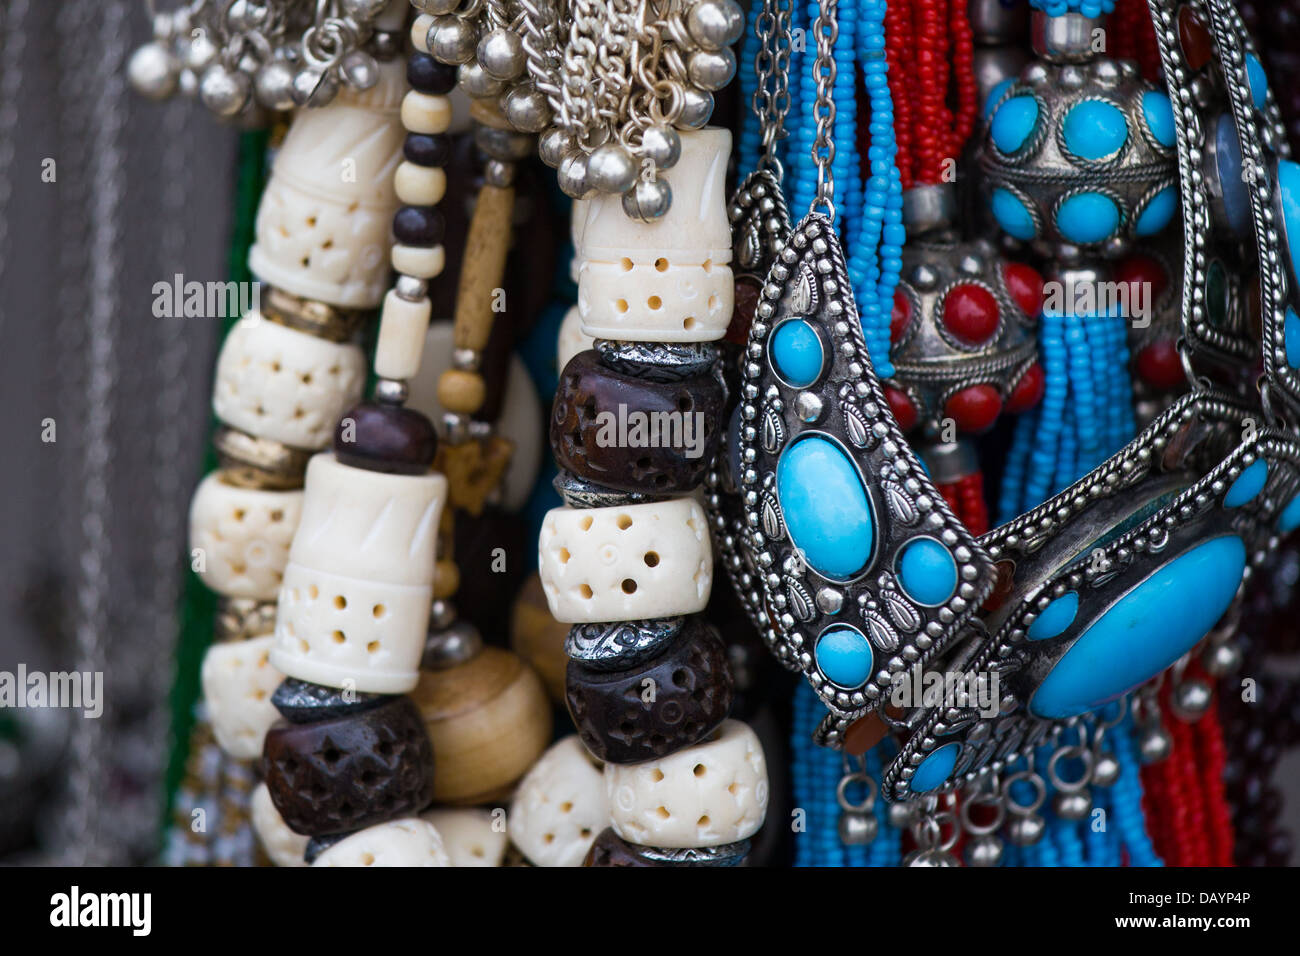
(323,226)
(243,537)
(355,601)
(572,339)
(625,563)
(469,836)
(405,842)
(560,806)
(649,302)
(710,794)
(238,681)
(282,845)
(284,385)
(402,326)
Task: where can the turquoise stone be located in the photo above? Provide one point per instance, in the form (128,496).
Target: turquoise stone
(1145,631)
(1014,122)
(1088,218)
(844,655)
(1159,114)
(1288,183)
(1291,335)
(1248,484)
(1055,618)
(1258,81)
(1290,519)
(825,506)
(1095,129)
(797,353)
(1158,213)
(1013,215)
(927,571)
(935,769)
(995,94)
(1236,200)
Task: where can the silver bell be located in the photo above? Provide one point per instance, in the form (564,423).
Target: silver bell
(360,71)
(438,8)
(313,87)
(501,53)
(900,815)
(153,71)
(1105,770)
(552,146)
(363,9)
(711,70)
(1026,829)
(1155,745)
(611,168)
(452,40)
(477,82)
(1191,699)
(697,107)
(715,24)
(857,829)
(224,91)
(200,52)
(1222,659)
(273,85)
(572,176)
(526,109)
(662,146)
(1072,806)
(985,850)
(929,858)
(648,201)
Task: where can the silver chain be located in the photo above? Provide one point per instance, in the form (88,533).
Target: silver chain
(823,151)
(771,102)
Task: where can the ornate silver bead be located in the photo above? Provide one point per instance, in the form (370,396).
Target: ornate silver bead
(611,168)
(648,201)
(224,91)
(452,40)
(273,85)
(662,146)
(501,53)
(153,71)
(711,69)
(697,107)
(478,82)
(715,24)
(526,109)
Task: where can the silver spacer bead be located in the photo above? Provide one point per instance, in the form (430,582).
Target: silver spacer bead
(391,391)
(411,288)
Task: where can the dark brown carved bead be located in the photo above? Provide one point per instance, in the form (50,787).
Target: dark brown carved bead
(620,720)
(341,775)
(381,437)
(605,427)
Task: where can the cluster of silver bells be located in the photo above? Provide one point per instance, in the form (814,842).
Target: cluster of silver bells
(273,54)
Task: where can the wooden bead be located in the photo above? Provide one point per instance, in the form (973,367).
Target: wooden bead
(398,843)
(390,438)
(423,262)
(427,150)
(238,681)
(471,837)
(539,638)
(419,225)
(420,185)
(461,391)
(488,720)
(483,266)
(446,579)
(282,845)
(240,537)
(657,707)
(425,112)
(427,75)
(402,327)
(632,433)
(559,807)
(340,775)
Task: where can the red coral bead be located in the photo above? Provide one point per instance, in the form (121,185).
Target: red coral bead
(1028,391)
(1137,272)
(974,409)
(900,316)
(971,313)
(1026,287)
(904,408)
(1160,366)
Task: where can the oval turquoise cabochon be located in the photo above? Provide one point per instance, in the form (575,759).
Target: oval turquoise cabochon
(825,506)
(1145,631)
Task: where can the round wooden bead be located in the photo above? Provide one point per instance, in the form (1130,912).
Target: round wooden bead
(707,795)
(399,843)
(427,75)
(488,720)
(284,385)
(354,607)
(446,579)
(419,225)
(420,185)
(471,837)
(240,537)
(539,638)
(626,563)
(390,438)
(238,681)
(559,807)
(655,708)
(425,112)
(425,150)
(282,845)
(634,434)
(340,775)
(460,391)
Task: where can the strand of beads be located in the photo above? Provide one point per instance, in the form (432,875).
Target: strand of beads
(351,764)
(628,560)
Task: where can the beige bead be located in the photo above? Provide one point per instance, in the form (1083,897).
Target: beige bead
(420,185)
(655,300)
(423,262)
(707,795)
(420,32)
(282,845)
(625,563)
(446,579)
(354,606)
(405,842)
(284,385)
(461,391)
(539,638)
(238,681)
(426,113)
(572,339)
(402,326)
(472,837)
(240,537)
(487,719)
(560,806)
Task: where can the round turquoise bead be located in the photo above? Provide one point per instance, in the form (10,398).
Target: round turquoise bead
(844,655)
(927,571)
(1159,114)
(1145,631)
(935,769)
(1258,81)
(1290,519)
(1291,336)
(1158,212)
(797,354)
(1056,618)
(1013,215)
(1248,485)
(825,506)
(1288,183)
(1087,218)
(1014,122)
(1095,129)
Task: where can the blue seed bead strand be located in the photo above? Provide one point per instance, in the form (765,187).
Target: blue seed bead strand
(1086,402)
(1050,416)
(1089,8)
(1013,478)
(803,786)
(1127,794)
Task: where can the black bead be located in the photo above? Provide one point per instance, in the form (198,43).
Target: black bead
(418,226)
(427,149)
(427,75)
(389,438)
